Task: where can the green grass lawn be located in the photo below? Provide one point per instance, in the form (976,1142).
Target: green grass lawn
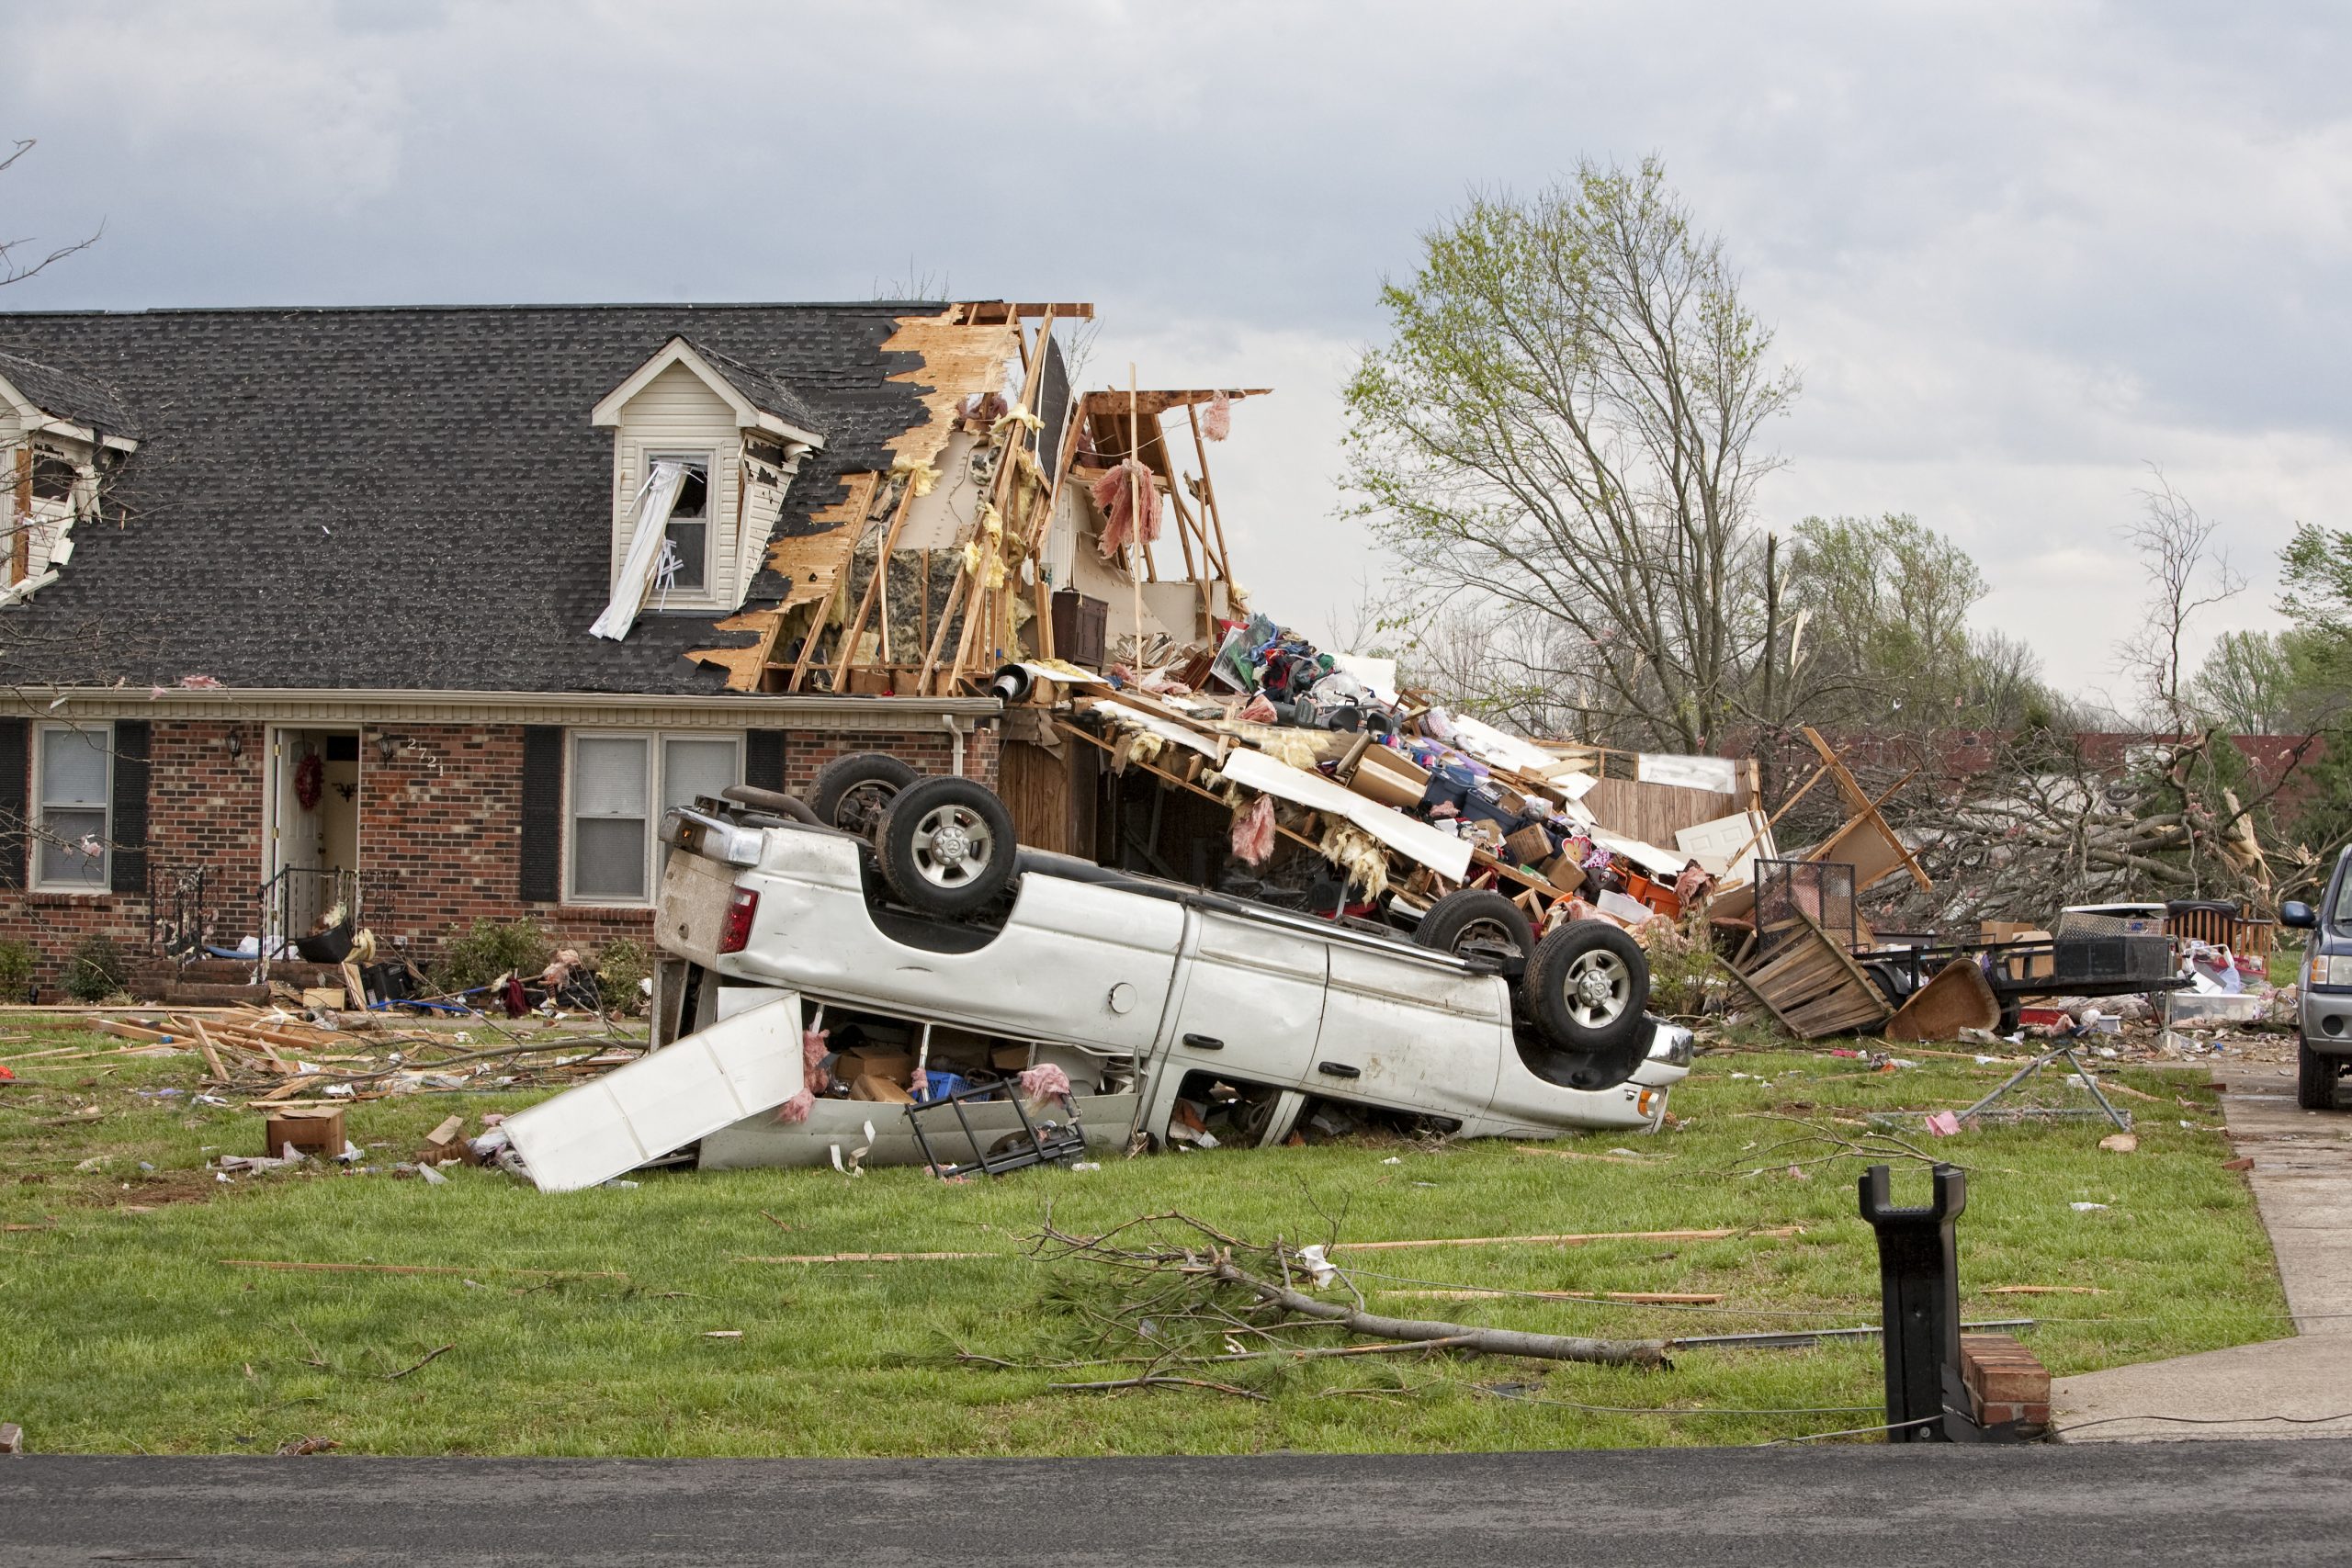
(124,1329)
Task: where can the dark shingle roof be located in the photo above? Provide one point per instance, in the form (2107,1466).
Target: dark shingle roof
(63,394)
(409,498)
(770,394)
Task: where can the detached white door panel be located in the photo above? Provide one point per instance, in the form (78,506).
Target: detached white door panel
(659,1103)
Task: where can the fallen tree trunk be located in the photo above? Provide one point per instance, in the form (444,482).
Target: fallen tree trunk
(1484,1341)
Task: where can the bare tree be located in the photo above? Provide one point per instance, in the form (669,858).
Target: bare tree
(2187,571)
(16,262)
(1563,428)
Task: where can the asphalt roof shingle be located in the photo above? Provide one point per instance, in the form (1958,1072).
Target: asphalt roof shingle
(63,394)
(408,498)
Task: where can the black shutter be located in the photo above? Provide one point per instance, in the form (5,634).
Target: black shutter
(133,739)
(542,859)
(764,759)
(16,803)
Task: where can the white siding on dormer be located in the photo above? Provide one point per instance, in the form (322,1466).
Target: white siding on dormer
(677,412)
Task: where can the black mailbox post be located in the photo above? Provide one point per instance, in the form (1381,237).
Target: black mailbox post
(1919,1274)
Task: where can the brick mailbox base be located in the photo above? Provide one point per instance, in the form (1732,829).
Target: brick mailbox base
(2005,1382)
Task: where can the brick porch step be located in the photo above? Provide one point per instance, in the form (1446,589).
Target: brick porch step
(200,995)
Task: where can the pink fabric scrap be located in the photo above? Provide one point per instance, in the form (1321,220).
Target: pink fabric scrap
(1259,709)
(1254,832)
(1116,494)
(1044,1081)
(1217,424)
(1943,1125)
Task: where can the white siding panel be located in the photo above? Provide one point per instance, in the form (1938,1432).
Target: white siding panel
(678,411)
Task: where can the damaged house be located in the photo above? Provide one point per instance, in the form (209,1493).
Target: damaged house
(426,614)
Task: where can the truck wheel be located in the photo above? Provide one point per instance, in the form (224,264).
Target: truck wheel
(1585,986)
(1475,923)
(852,793)
(947,846)
(2316,1076)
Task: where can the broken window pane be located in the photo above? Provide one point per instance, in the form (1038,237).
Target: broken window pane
(54,475)
(689,529)
(692,541)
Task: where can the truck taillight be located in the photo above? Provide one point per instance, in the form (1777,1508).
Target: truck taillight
(736,935)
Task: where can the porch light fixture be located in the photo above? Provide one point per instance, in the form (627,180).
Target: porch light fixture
(235,744)
(387,748)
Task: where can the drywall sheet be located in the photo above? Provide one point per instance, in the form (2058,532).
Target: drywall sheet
(1442,852)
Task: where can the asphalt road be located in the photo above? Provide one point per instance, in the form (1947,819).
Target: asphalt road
(2237,1502)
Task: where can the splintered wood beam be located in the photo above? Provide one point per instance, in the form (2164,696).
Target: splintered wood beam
(1208,497)
(862,491)
(875,583)
(979,618)
(1865,809)
(1042,531)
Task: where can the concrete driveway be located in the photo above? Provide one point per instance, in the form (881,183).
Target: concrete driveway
(2299,1386)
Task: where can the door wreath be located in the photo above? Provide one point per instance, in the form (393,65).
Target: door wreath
(309,778)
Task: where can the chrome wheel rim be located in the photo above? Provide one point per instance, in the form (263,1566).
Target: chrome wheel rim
(1597,987)
(952,846)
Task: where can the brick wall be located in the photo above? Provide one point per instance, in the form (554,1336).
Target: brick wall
(203,808)
(439,832)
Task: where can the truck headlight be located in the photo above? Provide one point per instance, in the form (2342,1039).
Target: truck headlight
(2331,971)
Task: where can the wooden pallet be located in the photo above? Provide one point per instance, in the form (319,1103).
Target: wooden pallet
(1813,985)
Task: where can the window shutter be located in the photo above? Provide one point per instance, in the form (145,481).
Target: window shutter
(541,880)
(764,759)
(133,740)
(15,798)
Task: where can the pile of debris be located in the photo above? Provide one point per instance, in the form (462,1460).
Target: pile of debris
(272,1059)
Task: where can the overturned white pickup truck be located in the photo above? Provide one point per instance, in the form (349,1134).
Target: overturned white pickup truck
(1152,995)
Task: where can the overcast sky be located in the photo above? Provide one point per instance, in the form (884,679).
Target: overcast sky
(2019,252)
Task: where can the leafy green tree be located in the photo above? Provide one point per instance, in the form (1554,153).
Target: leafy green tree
(1563,424)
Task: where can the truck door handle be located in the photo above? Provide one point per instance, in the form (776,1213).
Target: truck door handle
(1339,1069)
(1204,1042)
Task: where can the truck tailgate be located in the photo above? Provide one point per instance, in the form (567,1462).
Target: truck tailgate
(692,909)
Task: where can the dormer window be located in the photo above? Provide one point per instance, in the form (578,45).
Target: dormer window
(737,433)
(59,433)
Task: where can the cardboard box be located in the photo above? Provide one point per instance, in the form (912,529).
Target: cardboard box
(315,1130)
(328,997)
(1390,777)
(2039,966)
(880,1089)
(1009,1058)
(1528,846)
(1563,872)
(868,1062)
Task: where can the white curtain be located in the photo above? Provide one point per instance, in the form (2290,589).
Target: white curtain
(654,499)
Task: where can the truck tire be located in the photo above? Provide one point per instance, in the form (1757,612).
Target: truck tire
(853,791)
(2316,1076)
(945,846)
(1586,986)
(1472,921)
